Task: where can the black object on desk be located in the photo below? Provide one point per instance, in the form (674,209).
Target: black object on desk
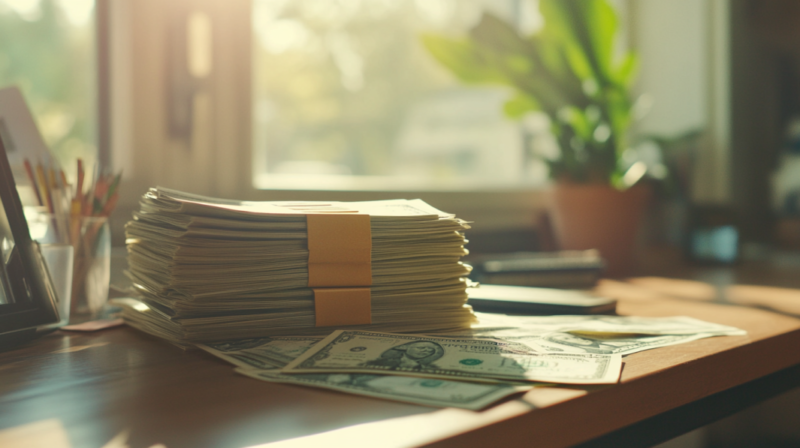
(537,301)
(27,296)
(562,269)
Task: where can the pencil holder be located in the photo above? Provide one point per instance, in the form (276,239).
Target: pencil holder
(92,266)
(44,228)
(59,259)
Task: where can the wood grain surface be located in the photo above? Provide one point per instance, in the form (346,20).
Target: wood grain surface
(123,385)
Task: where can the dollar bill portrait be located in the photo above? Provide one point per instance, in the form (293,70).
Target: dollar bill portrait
(418,355)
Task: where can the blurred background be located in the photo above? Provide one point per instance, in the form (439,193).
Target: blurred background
(315,99)
(341,100)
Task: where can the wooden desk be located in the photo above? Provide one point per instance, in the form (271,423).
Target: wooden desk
(97,386)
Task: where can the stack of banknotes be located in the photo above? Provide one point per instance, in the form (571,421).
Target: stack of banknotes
(500,357)
(232,278)
(206,269)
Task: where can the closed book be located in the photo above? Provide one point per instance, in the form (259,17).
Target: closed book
(537,301)
(562,269)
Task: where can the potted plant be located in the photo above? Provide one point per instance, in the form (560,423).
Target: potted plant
(571,71)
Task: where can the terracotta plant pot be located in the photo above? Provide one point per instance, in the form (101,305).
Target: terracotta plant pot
(600,217)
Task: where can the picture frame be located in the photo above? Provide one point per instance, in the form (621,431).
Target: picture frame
(28,298)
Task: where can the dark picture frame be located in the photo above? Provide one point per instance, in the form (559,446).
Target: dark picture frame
(27,297)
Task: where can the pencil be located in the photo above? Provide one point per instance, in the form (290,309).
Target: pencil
(110,204)
(88,203)
(76,208)
(112,189)
(59,213)
(100,190)
(42,180)
(65,184)
(81,175)
(32,179)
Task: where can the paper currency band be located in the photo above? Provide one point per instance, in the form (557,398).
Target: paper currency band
(342,306)
(339,250)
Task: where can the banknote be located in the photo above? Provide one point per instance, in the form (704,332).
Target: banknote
(605,324)
(261,353)
(562,342)
(466,358)
(424,391)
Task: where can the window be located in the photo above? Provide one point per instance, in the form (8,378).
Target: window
(47,48)
(347,98)
(337,100)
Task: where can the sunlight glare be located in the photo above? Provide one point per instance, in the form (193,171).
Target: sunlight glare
(530,19)
(347,60)
(50,433)
(335,13)
(29,10)
(436,11)
(78,12)
(199,42)
(282,35)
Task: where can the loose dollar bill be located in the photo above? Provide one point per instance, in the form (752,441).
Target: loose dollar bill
(601,324)
(424,391)
(255,357)
(562,342)
(261,353)
(621,335)
(436,357)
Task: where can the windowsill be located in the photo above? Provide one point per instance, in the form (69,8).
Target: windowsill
(488,207)
(347,183)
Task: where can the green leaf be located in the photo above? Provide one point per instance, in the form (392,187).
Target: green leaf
(556,62)
(520,105)
(499,36)
(463,58)
(559,28)
(600,23)
(565,70)
(626,70)
(587,29)
(501,43)
(578,120)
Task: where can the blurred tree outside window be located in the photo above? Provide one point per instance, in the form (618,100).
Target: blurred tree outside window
(47,49)
(347,97)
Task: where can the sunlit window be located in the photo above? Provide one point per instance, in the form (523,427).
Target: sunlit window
(346,97)
(47,50)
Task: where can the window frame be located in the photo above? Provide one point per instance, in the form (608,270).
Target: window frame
(140,146)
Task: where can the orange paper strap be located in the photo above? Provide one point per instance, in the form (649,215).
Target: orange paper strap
(339,250)
(342,306)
